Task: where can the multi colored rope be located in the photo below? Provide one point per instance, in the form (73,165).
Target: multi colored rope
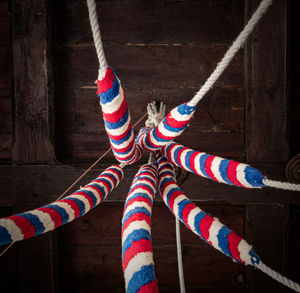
(167,129)
(210,229)
(49,217)
(137,256)
(117,118)
(213,167)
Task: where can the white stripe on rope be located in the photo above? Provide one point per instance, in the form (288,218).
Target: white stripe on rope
(281,185)
(96,35)
(278,277)
(236,45)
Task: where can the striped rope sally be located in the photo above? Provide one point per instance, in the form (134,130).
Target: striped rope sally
(210,229)
(137,255)
(213,167)
(49,217)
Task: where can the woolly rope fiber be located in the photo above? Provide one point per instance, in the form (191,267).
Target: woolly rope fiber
(213,167)
(210,229)
(137,256)
(167,129)
(117,119)
(49,217)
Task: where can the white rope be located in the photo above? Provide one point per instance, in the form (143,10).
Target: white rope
(237,44)
(96,34)
(179,257)
(281,185)
(278,277)
(154,116)
(150,161)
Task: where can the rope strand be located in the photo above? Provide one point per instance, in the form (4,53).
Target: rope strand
(281,185)
(231,52)
(96,34)
(278,277)
(179,257)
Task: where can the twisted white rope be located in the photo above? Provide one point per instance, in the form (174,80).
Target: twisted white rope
(281,185)
(179,257)
(278,277)
(237,44)
(96,34)
(154,115)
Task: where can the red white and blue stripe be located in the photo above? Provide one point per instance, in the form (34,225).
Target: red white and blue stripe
(49,217)
(213,167)
(167,129)
(210,229)
(137,255)
(117,118)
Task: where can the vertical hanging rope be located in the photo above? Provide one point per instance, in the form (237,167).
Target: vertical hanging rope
(96,34)
(179,257)
(237,44)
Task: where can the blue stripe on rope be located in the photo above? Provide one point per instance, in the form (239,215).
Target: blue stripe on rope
(108,182)
(118,124)
(170,128)
(121,140)
(181,205)
(202,161)
(79,203)
(111,93)
(91,194)
(176,155)
(125,152)
(35,221)
(112,177)
(144,177)
(135,235)
(144,276)
(185,109)
(223,170)
(197,221)
(4,236)
(187,160)
(64,215)
(141,184)
(223,240)
(254,177)
(139,194)
(135,211)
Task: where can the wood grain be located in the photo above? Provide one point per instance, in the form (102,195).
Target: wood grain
(32,141)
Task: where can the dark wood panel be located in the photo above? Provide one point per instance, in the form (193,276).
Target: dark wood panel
(294,73)
(267,105)
(172,78)
(5,76)
(151,21)
(33,186)
(32,130)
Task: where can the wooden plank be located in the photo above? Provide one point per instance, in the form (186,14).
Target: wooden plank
(266,231)
(218,119)
(35,265)
(5,99)
(151,22)
(32,121)
(294,73)
(33,186)
(267,105)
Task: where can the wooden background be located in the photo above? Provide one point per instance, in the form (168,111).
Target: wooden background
(51,129)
